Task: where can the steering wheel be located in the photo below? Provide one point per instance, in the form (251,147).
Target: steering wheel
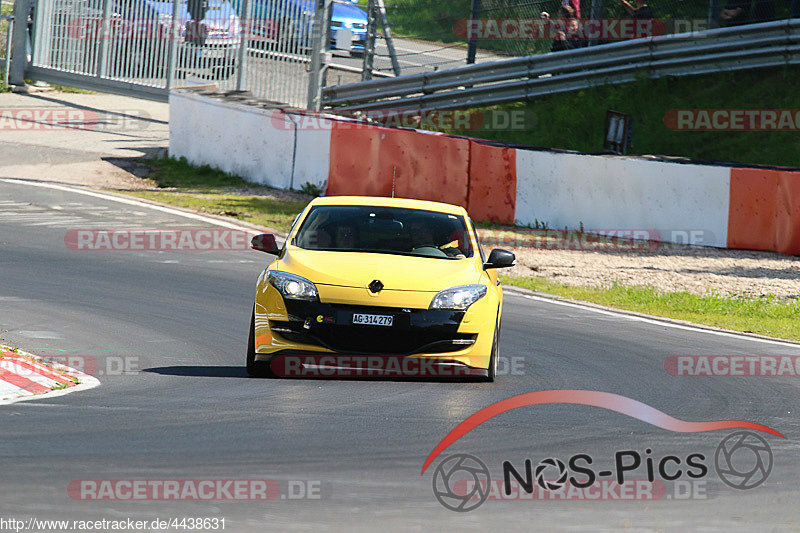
(430,250)
(452,252)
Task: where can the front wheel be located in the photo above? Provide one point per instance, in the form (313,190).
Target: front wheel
(256,369)
(492,370)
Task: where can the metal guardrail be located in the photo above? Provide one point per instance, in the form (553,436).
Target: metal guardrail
(743,47)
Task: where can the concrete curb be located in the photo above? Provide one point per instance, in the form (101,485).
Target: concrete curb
(24,376)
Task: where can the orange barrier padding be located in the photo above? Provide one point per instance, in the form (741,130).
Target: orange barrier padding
(492,183)
(751,215)
(787,226)
(764,211)
(364,159)
(354,159)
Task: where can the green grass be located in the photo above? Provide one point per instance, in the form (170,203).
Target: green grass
(179,173)
(208,190)
(765,316)
(576,120)
(71,90)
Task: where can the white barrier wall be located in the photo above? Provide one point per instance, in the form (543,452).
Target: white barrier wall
(263,146)
(683,203)
(614,193)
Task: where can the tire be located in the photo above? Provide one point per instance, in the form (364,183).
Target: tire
(492,370)
(255,369)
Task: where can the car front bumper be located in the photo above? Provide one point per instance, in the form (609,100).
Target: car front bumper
(422,342)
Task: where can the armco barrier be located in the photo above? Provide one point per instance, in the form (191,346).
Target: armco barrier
(736,208)
(764,210)
(376,160)
(492,190)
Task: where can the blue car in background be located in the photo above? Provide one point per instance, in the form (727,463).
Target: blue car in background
(352,17)
(288,24)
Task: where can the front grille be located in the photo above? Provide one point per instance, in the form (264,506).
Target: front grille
(413,331)
(359,26)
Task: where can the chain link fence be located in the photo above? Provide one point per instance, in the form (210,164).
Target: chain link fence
(440,34)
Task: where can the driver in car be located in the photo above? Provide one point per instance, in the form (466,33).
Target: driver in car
(422,237)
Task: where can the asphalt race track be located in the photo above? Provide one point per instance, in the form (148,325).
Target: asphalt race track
(185,409)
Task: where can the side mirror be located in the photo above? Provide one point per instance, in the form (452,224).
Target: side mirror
(265,242)
(500,259)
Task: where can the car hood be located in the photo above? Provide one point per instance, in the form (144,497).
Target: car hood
(348,13)
(396,272)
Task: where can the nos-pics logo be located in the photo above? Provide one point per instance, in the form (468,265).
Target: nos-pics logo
(461,482)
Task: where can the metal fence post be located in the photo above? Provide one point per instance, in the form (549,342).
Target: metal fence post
(247,16)
(319,51)
(595,13)
(19,61)
(9,37)
(105,35)
(472,47)
(173,44)
(713,13)
(387,36)
(369,45)
(42,34)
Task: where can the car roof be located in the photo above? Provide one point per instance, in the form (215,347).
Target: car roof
(383,201)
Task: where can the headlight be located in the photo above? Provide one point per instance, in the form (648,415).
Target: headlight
(291,286)
(458,297)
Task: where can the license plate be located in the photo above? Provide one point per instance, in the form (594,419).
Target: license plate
(373,320)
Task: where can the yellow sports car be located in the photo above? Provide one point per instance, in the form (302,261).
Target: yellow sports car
(377,287)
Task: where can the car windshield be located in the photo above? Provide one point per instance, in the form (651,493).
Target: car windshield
(389,230)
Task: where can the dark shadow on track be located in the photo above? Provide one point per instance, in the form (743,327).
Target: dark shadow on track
(240,372)
(200,371)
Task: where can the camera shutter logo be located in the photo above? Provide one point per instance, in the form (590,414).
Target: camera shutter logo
(550,484)
(458,468)
(743,460)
